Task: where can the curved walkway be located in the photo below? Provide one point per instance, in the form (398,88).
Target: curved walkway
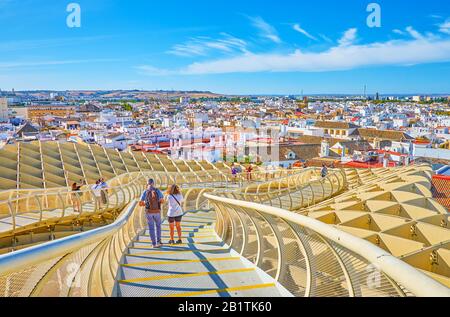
(203,266)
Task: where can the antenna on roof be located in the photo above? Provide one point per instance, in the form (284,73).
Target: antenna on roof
(365,92)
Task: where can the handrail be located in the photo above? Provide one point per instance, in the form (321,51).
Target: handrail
(57,202)
(61,200)
(18,193)
(402,273)
(293,187)
(13,262)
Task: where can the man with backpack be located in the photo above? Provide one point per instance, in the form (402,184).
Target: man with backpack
(152,199)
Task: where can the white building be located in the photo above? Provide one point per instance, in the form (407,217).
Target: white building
(4,115)
(166,123)
(400,123)
(115,141)
(184,100)
(106,117)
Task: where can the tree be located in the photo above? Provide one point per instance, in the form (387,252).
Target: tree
(127,107)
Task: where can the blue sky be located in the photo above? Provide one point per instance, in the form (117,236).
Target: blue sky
(235,47)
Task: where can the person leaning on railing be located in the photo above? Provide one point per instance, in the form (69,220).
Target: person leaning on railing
(76,196)
(104,190)
(97,190)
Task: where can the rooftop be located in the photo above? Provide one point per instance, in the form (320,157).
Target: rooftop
(335,125)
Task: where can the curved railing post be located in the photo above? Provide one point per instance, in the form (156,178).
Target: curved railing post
(63,214)
(13,214)
(96,204)
(39,206)
(313,198)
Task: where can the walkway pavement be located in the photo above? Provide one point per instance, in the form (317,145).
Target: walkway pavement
(204,266)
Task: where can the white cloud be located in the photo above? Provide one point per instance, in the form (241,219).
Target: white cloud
(391,53)
(202,46)
(399,32)
(191,48)
(346,55)
(349,37)
(445,27)
(266,30)
(299,29)
(326,38)
(415,34)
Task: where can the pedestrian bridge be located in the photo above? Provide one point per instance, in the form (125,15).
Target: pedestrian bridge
(353,233)
(203,266)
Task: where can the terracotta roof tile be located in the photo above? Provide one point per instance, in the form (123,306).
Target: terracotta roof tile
(382,134)
(441,191)
(335,125)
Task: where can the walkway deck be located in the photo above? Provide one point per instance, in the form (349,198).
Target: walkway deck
(204,266)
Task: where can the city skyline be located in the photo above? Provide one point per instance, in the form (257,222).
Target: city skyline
(249,49)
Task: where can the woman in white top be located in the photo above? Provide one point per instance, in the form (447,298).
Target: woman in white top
(97,190)
(175,200)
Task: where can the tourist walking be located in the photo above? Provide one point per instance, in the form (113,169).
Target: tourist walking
(175,200)
(152,199)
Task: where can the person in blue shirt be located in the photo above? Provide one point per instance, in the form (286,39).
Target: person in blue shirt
(104,187)
(324,171)
(152,199)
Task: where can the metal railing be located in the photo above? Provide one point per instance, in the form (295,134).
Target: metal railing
(294,192)
(310,258)
(85,264)
(24,209)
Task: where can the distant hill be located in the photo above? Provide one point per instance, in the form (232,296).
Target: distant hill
(122,94)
